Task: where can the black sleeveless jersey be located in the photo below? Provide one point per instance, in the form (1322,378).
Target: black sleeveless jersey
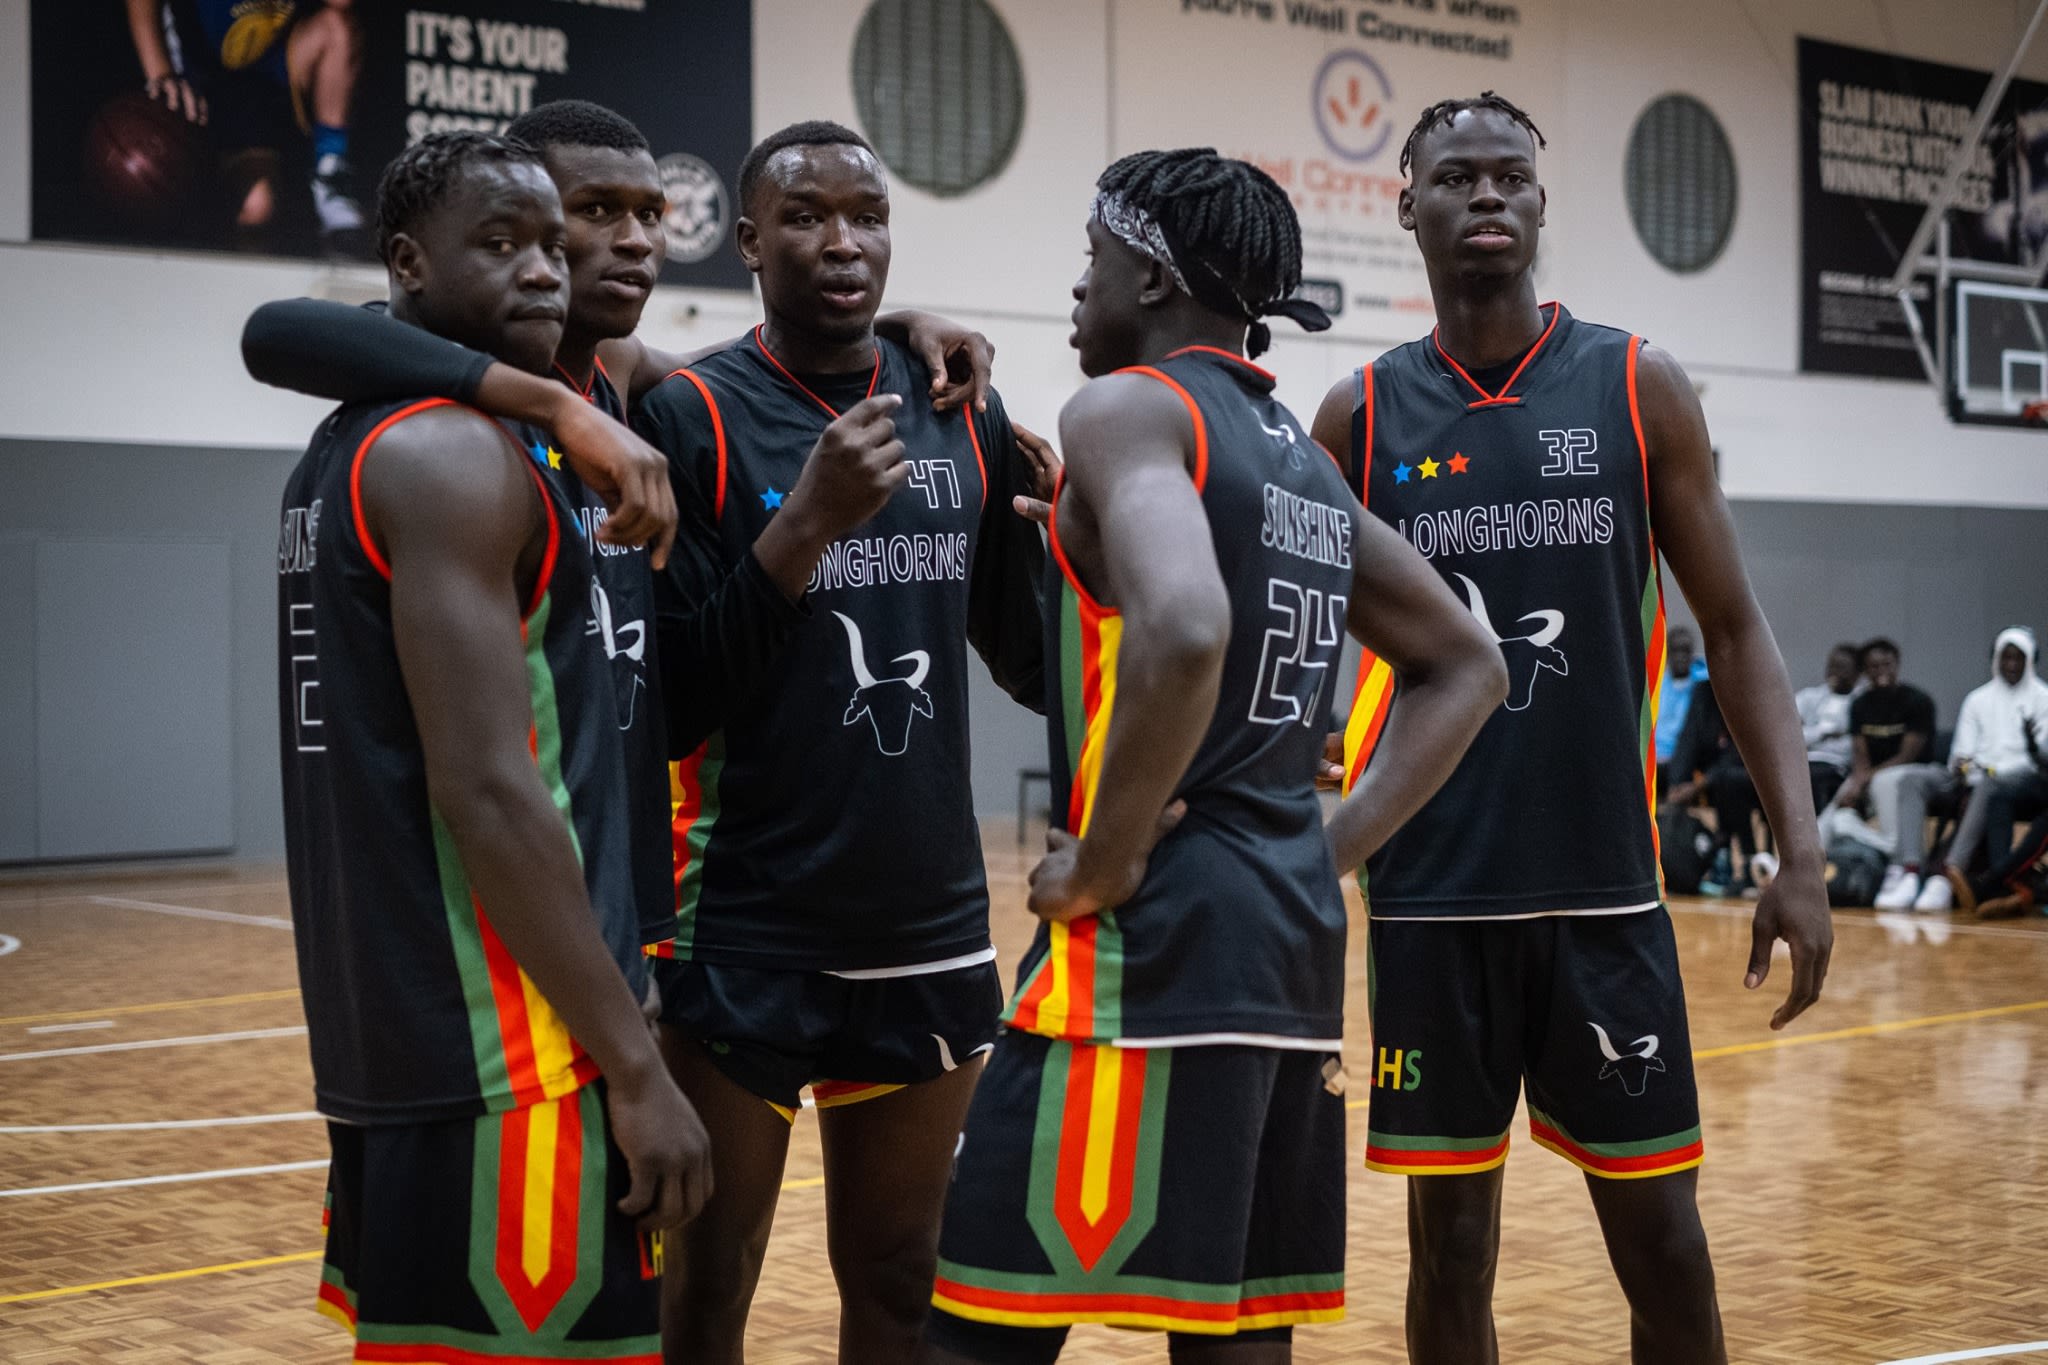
(1237,932)
(828,822)
(622,621)
(1533,503)
(415,1009)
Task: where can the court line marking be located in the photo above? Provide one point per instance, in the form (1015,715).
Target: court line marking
(14,900)
(8,943)
(1836,1035)
(1944,922)
(1983,1353)
(181,1178)
(160,1125)
(190,912)
(262,1262)
(162,1277)
(73,1028)
(1871,1030)
(192,1040)
(195,1003)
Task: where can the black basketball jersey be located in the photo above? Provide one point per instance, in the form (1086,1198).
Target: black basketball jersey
(828,823)
(416,1010)
(1237,933)
(622,621)
(1533,502)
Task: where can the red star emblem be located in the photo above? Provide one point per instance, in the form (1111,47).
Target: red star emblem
(1459,463)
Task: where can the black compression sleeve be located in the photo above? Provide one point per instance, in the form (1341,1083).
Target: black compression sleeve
(331,350)
(1005,613)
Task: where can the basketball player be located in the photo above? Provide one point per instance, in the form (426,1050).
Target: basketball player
(261,74)
(1159,1140)
(1518,935)
(612,200)
(831,911)
(456,836)
(605,172)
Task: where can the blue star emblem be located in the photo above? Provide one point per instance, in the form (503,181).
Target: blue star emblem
(546,456)
(1402,471)
(772,499)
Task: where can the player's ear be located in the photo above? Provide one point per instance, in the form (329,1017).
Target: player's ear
(1542,205)
(1158,286)
(747,238)
(408,263)
(1405,210)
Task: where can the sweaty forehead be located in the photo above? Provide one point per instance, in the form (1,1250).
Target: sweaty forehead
(505,187)
(825,170)
(577,169)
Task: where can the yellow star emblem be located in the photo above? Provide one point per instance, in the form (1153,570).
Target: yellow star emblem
(1428,467)
(554,458)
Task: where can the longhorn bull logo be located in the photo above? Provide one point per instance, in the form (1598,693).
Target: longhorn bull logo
(625,644)
(1633,1068)
(890,704)
(1284,434)
(1526,655)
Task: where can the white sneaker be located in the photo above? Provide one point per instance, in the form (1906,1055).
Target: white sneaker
(1899,889)
(1763,869)
(1935,894)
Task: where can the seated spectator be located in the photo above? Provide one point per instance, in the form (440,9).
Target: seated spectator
(1824,717)
(1994,753)
(1891,726)
(1709,765)
(2016,883)
(1682,669)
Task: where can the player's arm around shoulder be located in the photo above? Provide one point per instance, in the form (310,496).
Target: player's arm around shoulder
(1696,533)
(458,521)
(1449,678)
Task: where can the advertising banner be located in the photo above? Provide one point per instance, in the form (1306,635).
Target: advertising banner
(261,126)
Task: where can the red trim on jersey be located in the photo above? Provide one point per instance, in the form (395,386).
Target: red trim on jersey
(1194,412)
(355,479)
(546,576)
(717,438)
(1635,415)
(1501,399)
(586,387)
(1059,553)
(762,341)
(979,463)
(1365,395)
(1227,355)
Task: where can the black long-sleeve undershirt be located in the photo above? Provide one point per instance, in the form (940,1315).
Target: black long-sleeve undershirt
(350,354)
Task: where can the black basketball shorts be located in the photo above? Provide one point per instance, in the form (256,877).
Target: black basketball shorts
(490,1239)
(1585,1011)
(1191,1189)
(774,1032)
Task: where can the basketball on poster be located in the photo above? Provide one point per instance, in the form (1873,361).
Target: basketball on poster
(260,126)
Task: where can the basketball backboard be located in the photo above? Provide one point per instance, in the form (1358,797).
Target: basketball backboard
(1998,354)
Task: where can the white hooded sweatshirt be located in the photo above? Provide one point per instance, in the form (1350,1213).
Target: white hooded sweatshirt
(1988,732)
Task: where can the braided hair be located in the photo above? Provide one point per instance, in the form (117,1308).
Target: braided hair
(1232,230)
(422,176)
(1444,112)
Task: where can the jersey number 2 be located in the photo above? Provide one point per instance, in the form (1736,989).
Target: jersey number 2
(1307,630)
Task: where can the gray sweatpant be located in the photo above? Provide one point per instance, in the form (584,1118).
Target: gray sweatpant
(1900,796)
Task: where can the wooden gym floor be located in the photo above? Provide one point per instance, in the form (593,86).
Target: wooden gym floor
(1876,1184)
